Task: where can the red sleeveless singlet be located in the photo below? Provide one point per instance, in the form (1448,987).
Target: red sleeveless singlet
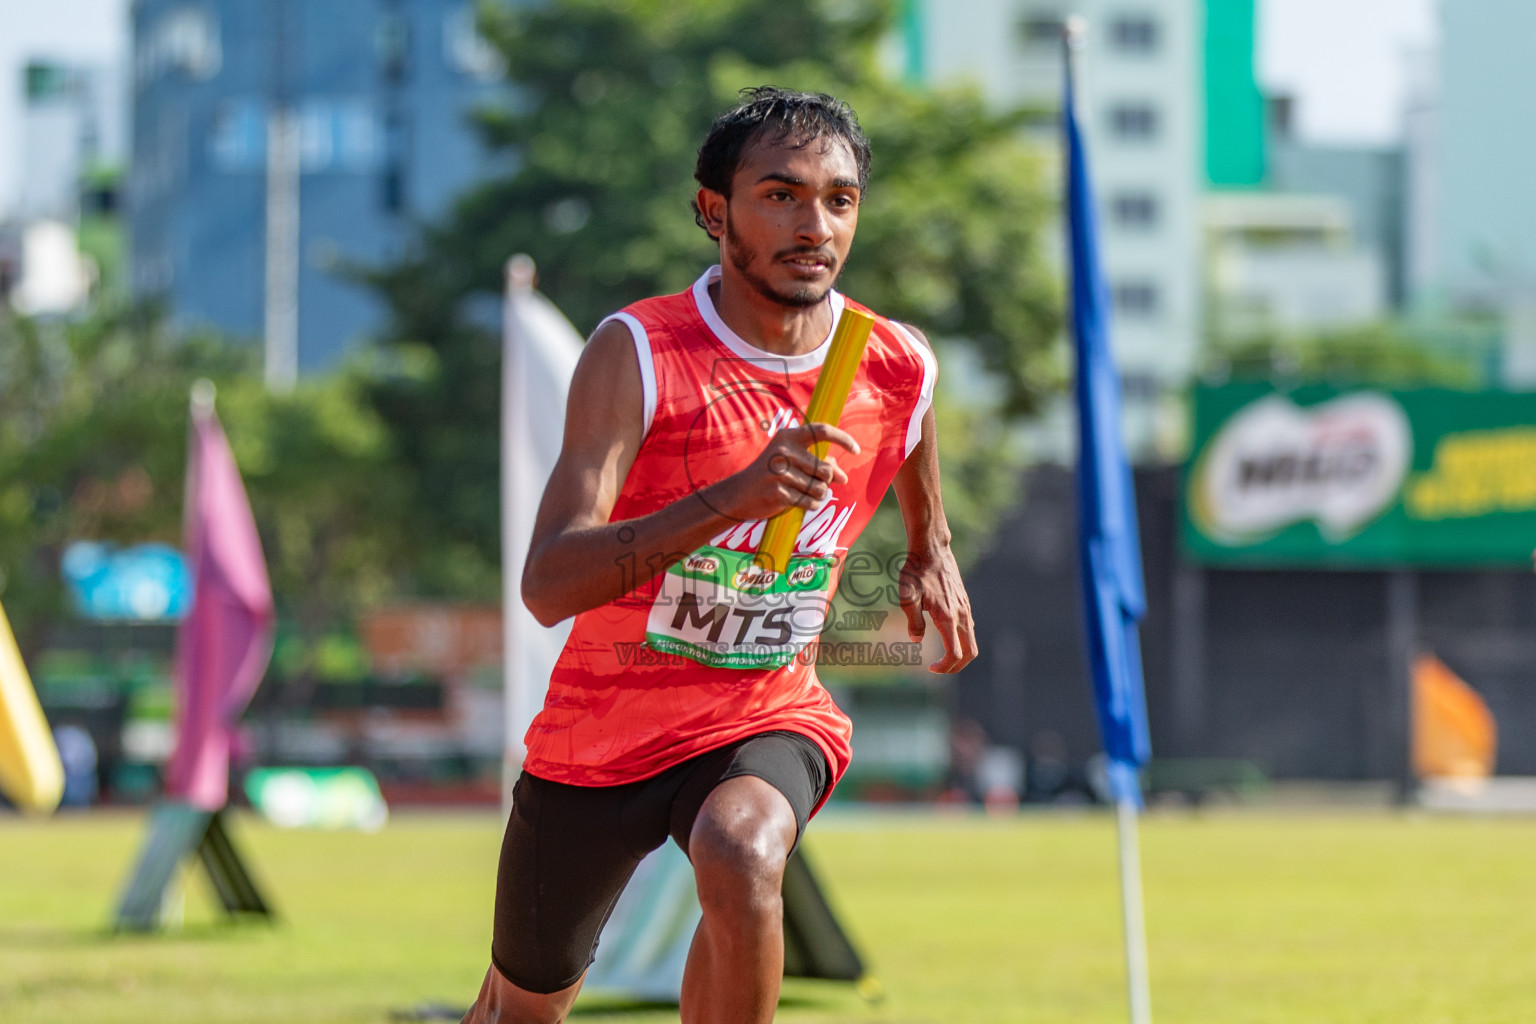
(711,652)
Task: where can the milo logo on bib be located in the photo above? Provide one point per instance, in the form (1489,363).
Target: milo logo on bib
(801,575)
(753,577)
(697,563)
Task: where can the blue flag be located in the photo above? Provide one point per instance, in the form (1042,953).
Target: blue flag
(1109,549)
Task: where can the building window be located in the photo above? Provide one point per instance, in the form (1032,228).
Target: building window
(1133,122)
(1136,299)
(184,39)
(1133,33)
(392,45)
(237,136)
(392,189)
(392,195)
(1040,30)
(1134,210)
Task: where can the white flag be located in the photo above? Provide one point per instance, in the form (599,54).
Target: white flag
(539,353)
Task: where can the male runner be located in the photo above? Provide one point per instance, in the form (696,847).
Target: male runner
(685,702)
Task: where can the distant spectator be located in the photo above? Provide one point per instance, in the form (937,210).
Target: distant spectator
(1001,778)
(1047,774)
(78,753)
(967,745)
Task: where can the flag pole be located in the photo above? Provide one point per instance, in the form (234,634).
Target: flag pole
(1133,914)
(1114,592)
(204,394)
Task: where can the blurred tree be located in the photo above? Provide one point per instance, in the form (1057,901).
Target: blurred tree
(1381,353)
(92,443)
(604,112)
(93,447)
(327,492)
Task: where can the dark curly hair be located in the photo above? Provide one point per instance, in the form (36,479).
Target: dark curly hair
(797,117)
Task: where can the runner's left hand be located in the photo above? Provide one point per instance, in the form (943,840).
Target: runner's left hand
(930,582)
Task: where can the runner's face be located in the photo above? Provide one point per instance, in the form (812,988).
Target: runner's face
(790,219)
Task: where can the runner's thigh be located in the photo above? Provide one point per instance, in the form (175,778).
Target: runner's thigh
(790,763)
(566,856)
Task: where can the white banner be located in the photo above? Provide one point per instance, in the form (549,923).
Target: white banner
(539,353)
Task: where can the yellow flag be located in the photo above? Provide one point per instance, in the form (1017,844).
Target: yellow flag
(31,774)
(1454,735)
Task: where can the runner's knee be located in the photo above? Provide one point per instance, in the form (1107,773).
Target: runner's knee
(737,854)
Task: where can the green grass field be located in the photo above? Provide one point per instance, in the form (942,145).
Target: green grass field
(1252,917)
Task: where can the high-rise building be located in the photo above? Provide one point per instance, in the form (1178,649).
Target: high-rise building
(1140,83)
(369,103)
(1420,180)
(72,143)
(1235,151)
(1287,264)
(1470,213)
(73,121)
(1481,221)
(1370,180)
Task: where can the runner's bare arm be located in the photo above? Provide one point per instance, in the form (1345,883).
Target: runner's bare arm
(577,559)
(930,578)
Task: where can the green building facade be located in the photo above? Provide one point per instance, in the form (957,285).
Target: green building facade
(1234,106)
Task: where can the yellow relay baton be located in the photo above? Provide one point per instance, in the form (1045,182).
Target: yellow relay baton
(827,401)
(30,771)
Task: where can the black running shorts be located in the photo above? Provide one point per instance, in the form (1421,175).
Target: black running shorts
(570,850)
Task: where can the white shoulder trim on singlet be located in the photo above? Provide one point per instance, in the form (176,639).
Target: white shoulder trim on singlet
(925,398)
(647,367)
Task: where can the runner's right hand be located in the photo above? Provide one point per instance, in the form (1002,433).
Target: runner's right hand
(785,474)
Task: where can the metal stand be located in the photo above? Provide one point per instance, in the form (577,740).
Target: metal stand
(176,832)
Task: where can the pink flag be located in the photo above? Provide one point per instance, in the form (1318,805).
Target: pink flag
(223,645)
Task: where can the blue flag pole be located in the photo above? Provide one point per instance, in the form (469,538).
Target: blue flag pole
(1109,549)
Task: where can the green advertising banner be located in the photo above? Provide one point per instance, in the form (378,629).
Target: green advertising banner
(1360,477)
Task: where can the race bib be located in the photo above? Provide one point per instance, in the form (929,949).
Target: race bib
(717,608)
